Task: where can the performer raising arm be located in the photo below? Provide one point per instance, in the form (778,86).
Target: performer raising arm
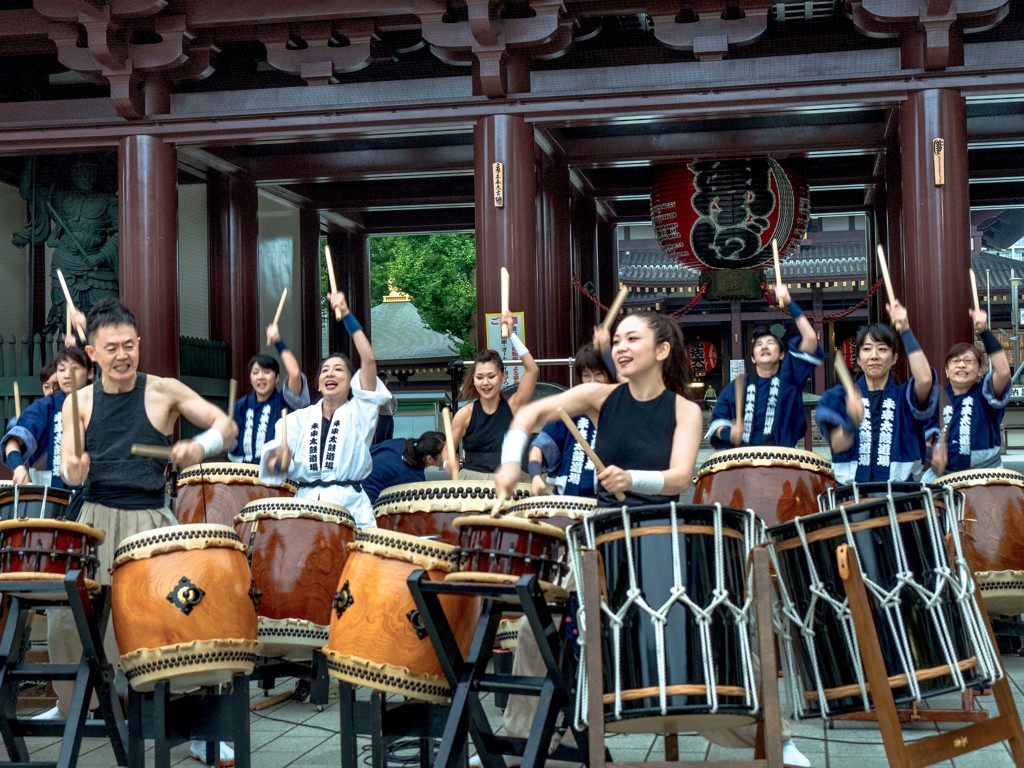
(773,404)
(328,450)
(651,465)
(879,435)
(976,407)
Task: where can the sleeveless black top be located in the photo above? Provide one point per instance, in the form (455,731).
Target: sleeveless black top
(635,435)
(116,478)
(484,434)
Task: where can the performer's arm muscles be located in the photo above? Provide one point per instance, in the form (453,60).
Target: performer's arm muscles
(685,443)
(220,428)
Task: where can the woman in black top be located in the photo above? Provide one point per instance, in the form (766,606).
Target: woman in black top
(482,424)
(648,431)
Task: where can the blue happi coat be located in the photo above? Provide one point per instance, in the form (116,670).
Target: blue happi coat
(257,421)
(40,429)
(973,418)
(567,466)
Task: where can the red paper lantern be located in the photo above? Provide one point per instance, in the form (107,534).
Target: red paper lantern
(703,357)
(724,214)
(847,351)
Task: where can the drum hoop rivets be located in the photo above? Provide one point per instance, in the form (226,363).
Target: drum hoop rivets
(342,599)
(185,595)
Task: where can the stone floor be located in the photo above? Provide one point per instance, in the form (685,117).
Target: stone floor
(297,734)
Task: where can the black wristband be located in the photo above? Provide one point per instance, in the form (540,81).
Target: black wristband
(14,459)
(725,434)
(534,469)
(990,341)
(280,346)
(910,344)
(794,310)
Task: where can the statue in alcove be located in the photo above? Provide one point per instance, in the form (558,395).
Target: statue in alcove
(79,223)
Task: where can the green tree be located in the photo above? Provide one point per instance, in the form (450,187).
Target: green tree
(437,271)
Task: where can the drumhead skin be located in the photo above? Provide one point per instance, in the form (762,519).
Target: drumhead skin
(858,493)
(428,508)
(647,556)
(882,557)
(778,484)
(993,522)
(217,491)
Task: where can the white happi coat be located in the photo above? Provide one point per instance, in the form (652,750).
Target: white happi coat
(346,455)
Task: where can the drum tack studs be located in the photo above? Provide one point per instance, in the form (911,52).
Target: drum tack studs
(185,595)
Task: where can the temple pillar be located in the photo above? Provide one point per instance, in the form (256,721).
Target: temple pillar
(148,224)
(506,234)
(583,238)
(233,205)
(350,253)
(309,298)
(606,264)
(551,335)
(936,231)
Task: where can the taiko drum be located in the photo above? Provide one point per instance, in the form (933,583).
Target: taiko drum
(47,550)
(216,492)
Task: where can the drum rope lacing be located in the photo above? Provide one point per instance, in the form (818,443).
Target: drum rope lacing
(958,583)
(741,614)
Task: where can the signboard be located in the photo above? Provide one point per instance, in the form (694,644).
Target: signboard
(513,373)
(736,367)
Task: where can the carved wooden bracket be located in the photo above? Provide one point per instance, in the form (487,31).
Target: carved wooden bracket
(500,49)
(322,57)
(710,36)
(931,32)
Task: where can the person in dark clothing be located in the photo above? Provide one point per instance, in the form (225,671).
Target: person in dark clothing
(401,461)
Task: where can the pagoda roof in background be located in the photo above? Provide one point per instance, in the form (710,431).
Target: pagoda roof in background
(400,337)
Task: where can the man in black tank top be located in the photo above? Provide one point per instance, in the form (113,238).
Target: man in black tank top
(124,494)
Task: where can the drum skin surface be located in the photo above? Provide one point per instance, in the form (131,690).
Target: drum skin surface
(33,501)
(560,511)
(778,484)
(181,607)
(430,508)
(297,553)
(216,492)
(880,563)
(374,638)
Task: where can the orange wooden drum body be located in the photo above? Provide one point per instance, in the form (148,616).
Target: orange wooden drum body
(428,509)
(994,524)
(376,637)
(216,492)
(43,549)
(778,484)
(298,548)
(182,607)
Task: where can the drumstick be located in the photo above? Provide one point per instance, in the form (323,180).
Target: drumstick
(974,290)
(778,268)
(499,499)
(505,330)
(613,310)
(619,495)
(67,322)
(883,265)
(331,280)
(286,455)
(741,387)
(17,401)
(151,451)
(232,393)
(70,303)
(77,433)
(280,305)
(453,461)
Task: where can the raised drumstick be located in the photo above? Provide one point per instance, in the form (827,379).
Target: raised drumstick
(17,401)
(70,303)
(974,290)
(453,459)
(331,280)
(598,464)
(883,265)
(280,306)
(741,389)
(74,412)
(505,330)
(613,310)
(778,268)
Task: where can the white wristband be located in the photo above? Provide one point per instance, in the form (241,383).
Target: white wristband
(647,481)
(514,446)
(518,346)
(211,440)
(64,475)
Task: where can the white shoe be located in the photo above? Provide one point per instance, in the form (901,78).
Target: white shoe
(793,757)
(227,755)
(50,714)
(512,761)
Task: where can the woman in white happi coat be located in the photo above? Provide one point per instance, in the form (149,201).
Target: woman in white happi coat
(328,450)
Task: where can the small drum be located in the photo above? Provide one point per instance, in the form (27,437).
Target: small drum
(428,509)
(39,501)
(993,541)
(183,607)
(501,549)
(560,511)
(778,484)
(377,637)
(216,492)
(297,549)
(39,549)
(678,656)
(930,629)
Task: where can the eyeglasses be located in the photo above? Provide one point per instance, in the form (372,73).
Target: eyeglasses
(967,361)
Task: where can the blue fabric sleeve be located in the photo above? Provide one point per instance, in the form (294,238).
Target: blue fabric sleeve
(922,414)
(797,366)
(989,395)
(830,412)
